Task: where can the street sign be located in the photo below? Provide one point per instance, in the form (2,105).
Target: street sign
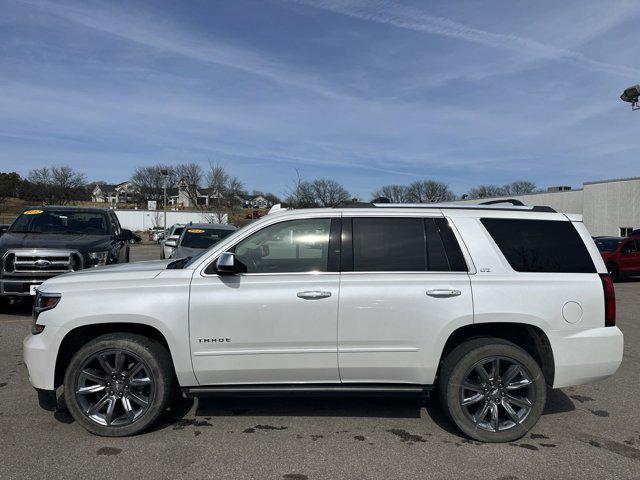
(151,205)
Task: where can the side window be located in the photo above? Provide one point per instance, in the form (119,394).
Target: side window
(403,244)
(540,245)
(388,245)
(630,247)
(115,224)
(442,246)
(293,246)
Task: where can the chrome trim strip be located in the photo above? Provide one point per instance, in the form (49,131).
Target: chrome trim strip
(273,351)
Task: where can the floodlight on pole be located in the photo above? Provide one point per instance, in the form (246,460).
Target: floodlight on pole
(631,95)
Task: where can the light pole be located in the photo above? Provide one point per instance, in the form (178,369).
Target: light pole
(165,174)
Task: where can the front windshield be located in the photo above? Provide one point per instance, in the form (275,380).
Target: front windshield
(202,237)
(60,222)
(607,244)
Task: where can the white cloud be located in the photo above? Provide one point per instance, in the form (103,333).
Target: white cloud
(389,13)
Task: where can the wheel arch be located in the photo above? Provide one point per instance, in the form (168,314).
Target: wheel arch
(79,336)
(528,337)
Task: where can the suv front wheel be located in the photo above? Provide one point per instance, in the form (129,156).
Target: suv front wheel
(493,390)
(118,384)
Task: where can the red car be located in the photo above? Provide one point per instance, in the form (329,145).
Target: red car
(621,255)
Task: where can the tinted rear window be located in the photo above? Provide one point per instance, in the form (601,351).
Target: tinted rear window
(404,245)
(388,244)
(540,245)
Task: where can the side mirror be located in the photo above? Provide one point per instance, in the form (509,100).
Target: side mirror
(125,235)
(171,242)
(226,263)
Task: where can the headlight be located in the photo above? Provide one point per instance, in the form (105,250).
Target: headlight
(98,258)
(43,302)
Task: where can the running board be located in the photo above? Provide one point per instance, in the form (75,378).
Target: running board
(313,390)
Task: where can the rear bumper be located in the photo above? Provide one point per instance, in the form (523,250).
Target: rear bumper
(587,356)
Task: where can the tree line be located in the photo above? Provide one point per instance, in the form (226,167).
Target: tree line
(63,184)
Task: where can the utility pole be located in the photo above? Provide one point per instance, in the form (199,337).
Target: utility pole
(165,174)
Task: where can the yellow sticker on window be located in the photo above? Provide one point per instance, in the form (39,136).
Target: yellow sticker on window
(195,230)
(33,212)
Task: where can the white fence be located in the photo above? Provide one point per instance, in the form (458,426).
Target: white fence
(138,220)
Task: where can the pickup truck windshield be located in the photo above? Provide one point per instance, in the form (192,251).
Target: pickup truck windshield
(61,222)
(198,237)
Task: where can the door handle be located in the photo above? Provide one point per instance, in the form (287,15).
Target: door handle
(314,294)
(443,292)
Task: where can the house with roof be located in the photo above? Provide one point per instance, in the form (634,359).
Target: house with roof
(124,192)
(189,196)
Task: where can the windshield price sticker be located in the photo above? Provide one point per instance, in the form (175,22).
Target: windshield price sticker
(32,212)
(195,230)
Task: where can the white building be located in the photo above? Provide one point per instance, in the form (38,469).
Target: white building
(609,207)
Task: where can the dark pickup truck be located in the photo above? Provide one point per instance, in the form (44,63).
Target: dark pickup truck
(47,241)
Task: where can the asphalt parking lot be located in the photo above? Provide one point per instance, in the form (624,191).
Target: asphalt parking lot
(586,432)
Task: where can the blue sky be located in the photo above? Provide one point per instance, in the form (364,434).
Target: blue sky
(365,92)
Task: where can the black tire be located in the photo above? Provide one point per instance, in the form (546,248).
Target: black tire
(158,369)
(614,273)
(460,364)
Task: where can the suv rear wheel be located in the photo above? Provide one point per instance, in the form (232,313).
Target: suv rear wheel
(492,389)
(118,384)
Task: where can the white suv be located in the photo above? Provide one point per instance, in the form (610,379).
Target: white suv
(490,305)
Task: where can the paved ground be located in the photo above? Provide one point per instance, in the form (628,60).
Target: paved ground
(589,432)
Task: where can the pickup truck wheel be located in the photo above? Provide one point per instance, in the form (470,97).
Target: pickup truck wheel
(492,390)
(118,384)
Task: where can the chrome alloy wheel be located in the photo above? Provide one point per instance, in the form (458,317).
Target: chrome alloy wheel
(114,388)
(497,393)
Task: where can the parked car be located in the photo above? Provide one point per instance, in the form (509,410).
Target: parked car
(156,234)
(47,241)
(174,234)
(198,237)
(621,255)
(487,306)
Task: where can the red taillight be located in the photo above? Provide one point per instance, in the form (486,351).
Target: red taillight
(609,300)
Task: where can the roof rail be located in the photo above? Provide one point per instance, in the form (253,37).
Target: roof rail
(512,201)
(461,206)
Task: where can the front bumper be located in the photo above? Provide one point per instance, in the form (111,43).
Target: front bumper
(587,356)
(40,355)
(19,287)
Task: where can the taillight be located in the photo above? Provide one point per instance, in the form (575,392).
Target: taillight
(609,300)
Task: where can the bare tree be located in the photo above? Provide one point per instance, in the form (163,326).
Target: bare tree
(428,191)
(226,191)
(395,193)
(192,174)
(328,193)
(486,191)
(519,187)
(150,181)
(300,194)
(57,184)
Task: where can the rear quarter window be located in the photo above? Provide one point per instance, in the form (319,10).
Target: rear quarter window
(540,245)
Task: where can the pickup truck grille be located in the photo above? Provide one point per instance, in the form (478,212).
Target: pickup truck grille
(40,262)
